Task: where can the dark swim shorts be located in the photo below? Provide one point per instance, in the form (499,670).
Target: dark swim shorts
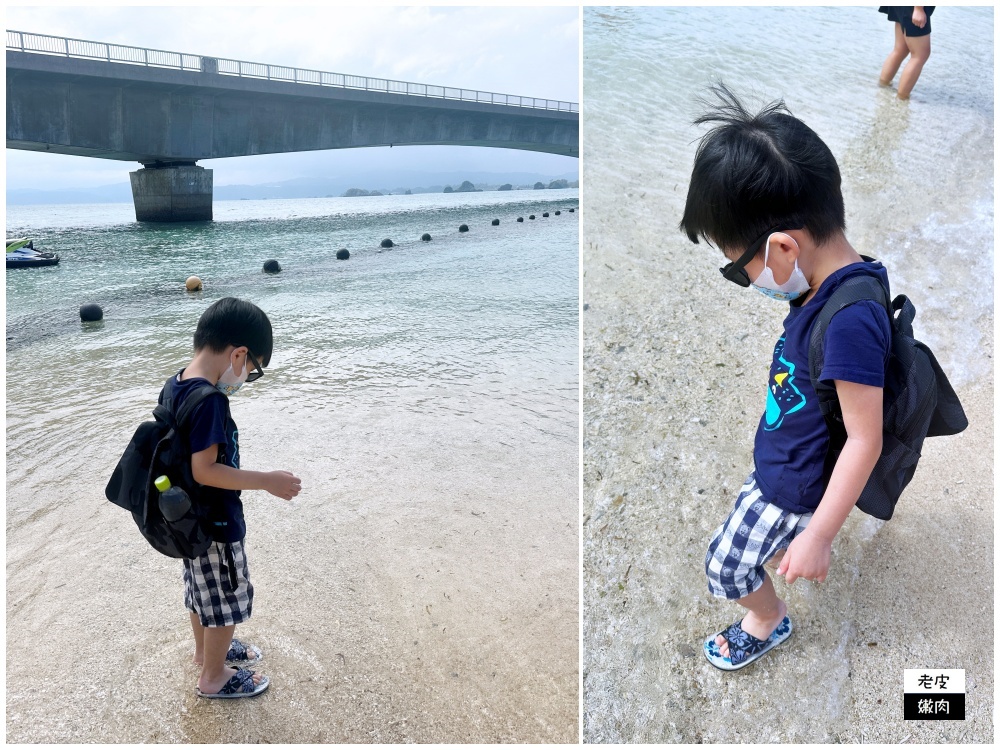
(904,17)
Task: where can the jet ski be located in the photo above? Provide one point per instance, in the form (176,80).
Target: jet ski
(21,253)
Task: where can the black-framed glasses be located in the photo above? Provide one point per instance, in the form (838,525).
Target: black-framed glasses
(257,372)
(734,271)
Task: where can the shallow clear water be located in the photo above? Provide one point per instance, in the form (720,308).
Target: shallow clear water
(427,396)
(647,68)
(674,361)
(483,322)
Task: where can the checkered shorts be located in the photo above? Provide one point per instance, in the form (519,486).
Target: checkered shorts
(217,585)
(751,536)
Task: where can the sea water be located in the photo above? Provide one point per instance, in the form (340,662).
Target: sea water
(488,316)
(427,396)
(646,69)
(918,187)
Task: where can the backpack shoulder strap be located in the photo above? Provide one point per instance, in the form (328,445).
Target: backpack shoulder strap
(196,397)
(165,410)
(854,289)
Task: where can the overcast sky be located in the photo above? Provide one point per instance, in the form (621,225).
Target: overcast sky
(524,51)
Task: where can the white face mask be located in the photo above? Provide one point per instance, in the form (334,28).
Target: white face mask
(230,382)
(795,287)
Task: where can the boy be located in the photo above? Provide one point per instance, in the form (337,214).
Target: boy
(766,190)
(232,345)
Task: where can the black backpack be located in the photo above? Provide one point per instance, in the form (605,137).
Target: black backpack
(918,401)
(161,447)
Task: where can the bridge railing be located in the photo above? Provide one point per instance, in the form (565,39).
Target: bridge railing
(56,45)
(78,48)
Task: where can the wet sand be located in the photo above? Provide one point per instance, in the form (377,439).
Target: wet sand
(674,370)
(423,588)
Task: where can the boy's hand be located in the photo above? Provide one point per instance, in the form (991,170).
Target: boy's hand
(283,484)
(807,557)
(919,17)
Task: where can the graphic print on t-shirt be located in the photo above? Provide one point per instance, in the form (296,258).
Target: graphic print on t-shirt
(783,397)
(234,445)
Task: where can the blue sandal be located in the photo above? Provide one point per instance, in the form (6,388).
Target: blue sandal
(744,648)
(240,685)
(242,654)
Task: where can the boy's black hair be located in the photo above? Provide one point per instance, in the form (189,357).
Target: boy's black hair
(754,172)
(235,322)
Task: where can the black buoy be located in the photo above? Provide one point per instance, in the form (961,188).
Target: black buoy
(545,215)
(463,227)
(425,237)
(495,222)
(272,266)
(343,254)
(520,218)
(386,242)
(558,212)
(531,216)
(572,210)
(91,312)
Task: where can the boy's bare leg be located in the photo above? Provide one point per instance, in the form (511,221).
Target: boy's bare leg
(214,672)
(199,639)
(764,611)
(895,58)
(920,50)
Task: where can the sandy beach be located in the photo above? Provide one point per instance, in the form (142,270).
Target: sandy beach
(676,362)
(674,368)
(422,588)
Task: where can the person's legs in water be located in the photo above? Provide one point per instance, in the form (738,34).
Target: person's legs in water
(764,612)
(920,50)
(899,52)
(215,644)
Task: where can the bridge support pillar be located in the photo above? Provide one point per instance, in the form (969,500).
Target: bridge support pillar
(172,192)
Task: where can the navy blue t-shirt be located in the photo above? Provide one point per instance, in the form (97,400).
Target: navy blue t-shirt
(792,438)
(210,425)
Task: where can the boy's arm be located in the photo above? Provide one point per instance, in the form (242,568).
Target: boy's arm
(808,555)
(206,470)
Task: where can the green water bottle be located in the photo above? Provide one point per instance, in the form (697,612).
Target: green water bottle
(174,501)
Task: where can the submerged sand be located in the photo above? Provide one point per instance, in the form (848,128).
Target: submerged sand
(674,371)
(422,588)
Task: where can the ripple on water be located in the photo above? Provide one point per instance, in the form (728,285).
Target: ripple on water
(663,441)
(446,329)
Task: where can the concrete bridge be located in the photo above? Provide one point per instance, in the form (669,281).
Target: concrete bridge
(169,110)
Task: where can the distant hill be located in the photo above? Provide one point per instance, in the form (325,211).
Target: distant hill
(306,187)
(121,193)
